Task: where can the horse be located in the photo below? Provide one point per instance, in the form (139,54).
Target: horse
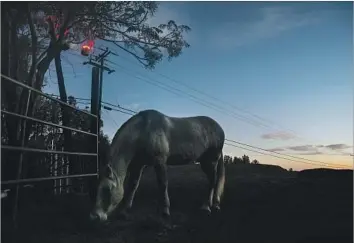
(151,138)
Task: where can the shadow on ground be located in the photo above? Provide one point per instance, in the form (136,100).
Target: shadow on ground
(261,204)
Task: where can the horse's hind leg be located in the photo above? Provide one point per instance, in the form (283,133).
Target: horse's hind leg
(220,182)
(162,181)
(209,169)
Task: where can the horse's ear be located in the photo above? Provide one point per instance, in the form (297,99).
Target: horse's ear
(108,171)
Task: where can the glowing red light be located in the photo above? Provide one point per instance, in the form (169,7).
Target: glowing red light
(87,47)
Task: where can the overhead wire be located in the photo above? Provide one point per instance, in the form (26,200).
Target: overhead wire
(280,157)
(196,99)
(294,133)
(269,153)
(283,154)
(151,82)
(313,162)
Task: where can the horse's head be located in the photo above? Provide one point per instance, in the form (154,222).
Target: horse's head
(109,194)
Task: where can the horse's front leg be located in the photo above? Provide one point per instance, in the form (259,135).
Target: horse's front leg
(133,180)
(162,181)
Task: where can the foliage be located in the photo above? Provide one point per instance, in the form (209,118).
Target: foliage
(227,159)
(42,136)
(37,32)
(245,159)
(125,24)
(255,162)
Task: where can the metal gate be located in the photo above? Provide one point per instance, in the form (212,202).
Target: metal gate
(21,149)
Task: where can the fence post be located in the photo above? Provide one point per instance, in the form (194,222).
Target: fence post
(92,182)
(19,172)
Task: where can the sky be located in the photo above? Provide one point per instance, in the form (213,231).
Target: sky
(285,65)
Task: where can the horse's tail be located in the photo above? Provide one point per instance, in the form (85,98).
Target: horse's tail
(220,181)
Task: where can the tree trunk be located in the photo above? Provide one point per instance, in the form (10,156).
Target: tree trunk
(10,57)
(66,111)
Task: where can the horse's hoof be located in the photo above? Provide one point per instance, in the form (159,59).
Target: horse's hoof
(166,216)
(205,210)
(216,208)
(164,213)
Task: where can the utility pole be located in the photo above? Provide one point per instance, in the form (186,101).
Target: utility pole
(96,103)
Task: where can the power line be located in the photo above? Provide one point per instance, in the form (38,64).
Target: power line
(291,156)
(122,111)
(311,162)
(109,115)
(131,112)
(200,92)
(229,144)
(214,98)
(103,102)
(192,97)
(196,99)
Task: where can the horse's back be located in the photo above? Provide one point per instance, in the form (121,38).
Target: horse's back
(183,139)
(180,140)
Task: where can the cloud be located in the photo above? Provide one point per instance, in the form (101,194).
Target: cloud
(313,149)
(278,136)
(338,146)
(310,153)
(275,150)
(271,22)
(303,148)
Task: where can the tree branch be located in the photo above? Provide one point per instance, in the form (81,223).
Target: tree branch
(34,47)
(51,31)
(130,52)
(72,66)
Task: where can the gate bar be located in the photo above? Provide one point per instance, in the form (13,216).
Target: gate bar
(45,95)
(45,151)
(46,178)
(47,123)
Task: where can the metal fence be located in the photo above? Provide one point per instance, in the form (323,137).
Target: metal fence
(52,152)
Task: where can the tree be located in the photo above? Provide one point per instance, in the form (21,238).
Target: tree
(236,160)
(52,27)
(245,159)
(42,136)
(255,162)
(227,159)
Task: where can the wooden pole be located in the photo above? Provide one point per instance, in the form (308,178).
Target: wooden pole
(92,184)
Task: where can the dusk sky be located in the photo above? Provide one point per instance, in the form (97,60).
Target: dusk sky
(288,63)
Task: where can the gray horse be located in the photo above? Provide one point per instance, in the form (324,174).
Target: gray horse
(151,138)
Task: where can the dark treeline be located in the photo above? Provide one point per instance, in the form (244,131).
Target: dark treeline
(245,159)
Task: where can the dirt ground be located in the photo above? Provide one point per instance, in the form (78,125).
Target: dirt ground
(261,204)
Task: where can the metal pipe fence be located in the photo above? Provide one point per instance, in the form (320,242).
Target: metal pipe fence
(24,118)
